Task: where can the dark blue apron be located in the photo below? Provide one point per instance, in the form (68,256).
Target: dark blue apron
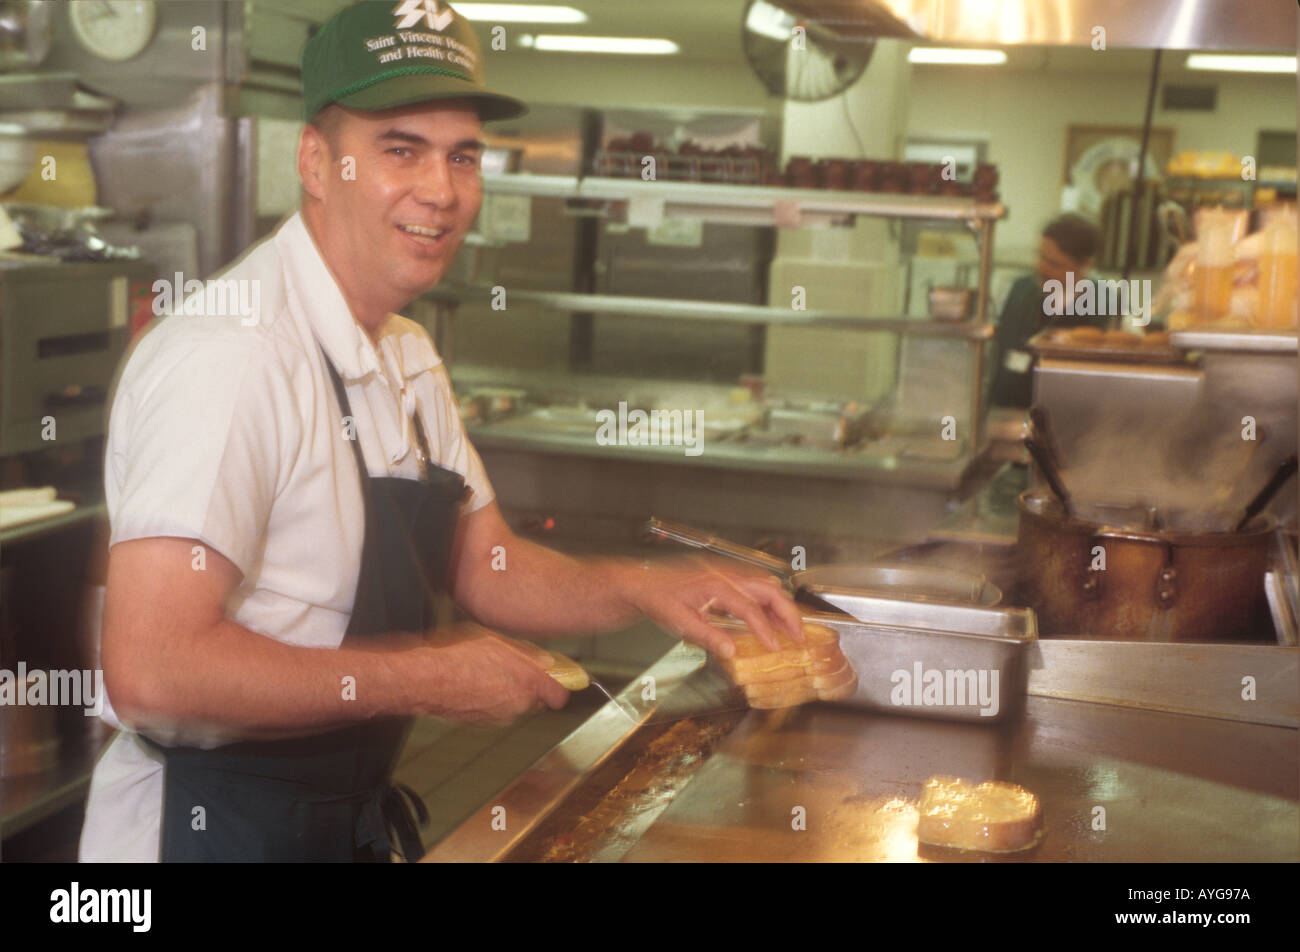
(329,797)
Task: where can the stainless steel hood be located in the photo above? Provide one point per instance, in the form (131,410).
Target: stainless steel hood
(1246,25)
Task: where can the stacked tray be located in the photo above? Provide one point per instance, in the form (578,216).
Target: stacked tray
(1048,343)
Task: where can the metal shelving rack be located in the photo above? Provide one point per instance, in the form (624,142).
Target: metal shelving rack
(760,206)
(1209,191)
(647,203)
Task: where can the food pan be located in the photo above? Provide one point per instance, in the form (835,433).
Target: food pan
(981,677)
(947,675)
(875,608)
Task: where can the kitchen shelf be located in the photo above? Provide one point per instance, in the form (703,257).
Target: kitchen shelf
(864,464)
(33,530)
(719,311)
(1221,182)
(1207,191)
(650,203)
(28,799)
(1240,341)
(744,204)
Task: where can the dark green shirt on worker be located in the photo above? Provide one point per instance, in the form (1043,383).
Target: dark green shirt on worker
(1022,318)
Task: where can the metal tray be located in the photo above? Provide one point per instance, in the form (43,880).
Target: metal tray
(967,617)
(946,675)
(1243,340)
(981,677)
(1043,345)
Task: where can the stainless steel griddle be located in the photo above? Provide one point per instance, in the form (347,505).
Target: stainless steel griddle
(683,781)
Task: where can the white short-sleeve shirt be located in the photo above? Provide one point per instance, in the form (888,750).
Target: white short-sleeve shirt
(225,428)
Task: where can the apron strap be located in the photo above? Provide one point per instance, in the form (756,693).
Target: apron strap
(341,392)
(346,408)
(396,808)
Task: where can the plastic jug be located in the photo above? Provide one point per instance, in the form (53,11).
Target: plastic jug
(1278,293)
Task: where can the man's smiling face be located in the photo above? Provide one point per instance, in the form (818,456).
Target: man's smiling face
(402,190)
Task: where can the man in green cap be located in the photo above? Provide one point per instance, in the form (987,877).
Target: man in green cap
(287,493)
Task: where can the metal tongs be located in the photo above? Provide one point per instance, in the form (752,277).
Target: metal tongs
(697,539)
(1041,443)
(1265,495)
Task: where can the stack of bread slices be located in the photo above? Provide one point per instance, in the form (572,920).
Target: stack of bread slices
(794,673)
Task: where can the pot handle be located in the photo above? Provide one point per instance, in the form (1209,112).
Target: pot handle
(1166,581)
(1092,580)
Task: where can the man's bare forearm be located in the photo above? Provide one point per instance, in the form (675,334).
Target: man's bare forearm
(228,680)
(535,591)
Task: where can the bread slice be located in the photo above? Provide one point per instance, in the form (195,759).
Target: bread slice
(834,686)
(990,817)
(812,679)
(752,657)
(792,696)
(838,692)
(825,660)
(793,673)
(815,636)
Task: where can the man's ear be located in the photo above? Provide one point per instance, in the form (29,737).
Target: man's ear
(315,160)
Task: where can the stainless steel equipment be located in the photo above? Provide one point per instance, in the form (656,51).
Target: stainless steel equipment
(63,329)
(29,736)
(716,788)
(950,304)
(26,28)
(1169,24)
(696,260)
(1017,624)
(1203,434)
(1051,343)
(1090,579)
(177,149)
(943,672)
(888,583)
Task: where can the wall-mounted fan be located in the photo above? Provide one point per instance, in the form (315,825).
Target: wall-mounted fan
(825,66)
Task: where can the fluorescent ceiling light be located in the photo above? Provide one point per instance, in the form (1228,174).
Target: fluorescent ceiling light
(520,13)
(953,55)
(770,21)
(557,43)
(1241,64)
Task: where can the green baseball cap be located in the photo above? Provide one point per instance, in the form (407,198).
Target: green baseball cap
(378,54)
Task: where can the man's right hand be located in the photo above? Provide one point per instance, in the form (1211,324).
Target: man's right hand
(479,677)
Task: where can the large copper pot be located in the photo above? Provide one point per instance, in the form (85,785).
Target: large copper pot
(1155,586)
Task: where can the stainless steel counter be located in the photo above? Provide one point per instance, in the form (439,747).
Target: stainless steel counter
(914,460)
(890,489)
(1116,783)
(857,464)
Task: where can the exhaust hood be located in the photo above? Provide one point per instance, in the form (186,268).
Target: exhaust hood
(1248,25)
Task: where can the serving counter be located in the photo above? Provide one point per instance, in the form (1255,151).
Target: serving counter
(545,462)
